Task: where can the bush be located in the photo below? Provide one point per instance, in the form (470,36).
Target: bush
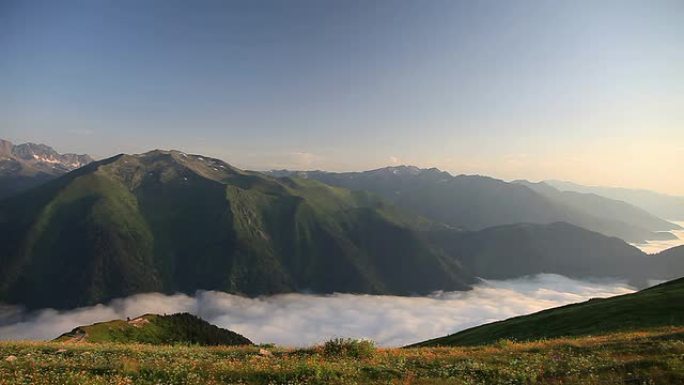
(505,343)
(349,347)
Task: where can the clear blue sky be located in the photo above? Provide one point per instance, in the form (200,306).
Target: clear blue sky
(591,91)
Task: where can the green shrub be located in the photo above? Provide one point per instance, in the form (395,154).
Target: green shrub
(349,347)
(505,343)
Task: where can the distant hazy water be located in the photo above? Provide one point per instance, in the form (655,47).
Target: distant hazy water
(652,247)
(303,319)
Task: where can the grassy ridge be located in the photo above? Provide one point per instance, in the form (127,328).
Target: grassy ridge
(181,328)
(660,305)
(645,357)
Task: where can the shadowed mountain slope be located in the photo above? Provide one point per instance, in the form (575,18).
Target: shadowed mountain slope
(603,207)
(662,205)
(510,251)
(668,264)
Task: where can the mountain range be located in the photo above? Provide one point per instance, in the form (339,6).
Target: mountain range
(600,206)
(27,165)
(476,202)
(664,206)
(167,221)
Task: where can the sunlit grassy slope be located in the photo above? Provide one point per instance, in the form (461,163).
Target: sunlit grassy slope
(646,357)
(660,305)
(181,328)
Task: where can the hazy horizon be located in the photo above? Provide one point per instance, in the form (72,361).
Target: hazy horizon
(590,92)
(452,172)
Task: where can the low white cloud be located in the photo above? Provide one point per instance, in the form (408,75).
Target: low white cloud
(302,319)
(394,161)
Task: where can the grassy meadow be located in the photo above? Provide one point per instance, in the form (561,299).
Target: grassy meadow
(655,356)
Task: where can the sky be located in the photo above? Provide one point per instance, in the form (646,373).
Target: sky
(586,91)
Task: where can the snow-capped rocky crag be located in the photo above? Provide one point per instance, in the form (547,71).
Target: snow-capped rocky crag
(26,165)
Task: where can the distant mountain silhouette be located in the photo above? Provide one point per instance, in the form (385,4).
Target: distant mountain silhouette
(27,165)
(475,202)
(662,205)
(600,206)
(668,263)
(511,251)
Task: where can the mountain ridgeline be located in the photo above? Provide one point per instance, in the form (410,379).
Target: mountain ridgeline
(167,221)
(476,202)
(603,207)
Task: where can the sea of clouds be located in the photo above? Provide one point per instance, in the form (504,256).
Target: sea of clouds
(654,247)
(305,319)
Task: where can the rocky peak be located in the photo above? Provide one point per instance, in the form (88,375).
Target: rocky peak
(41,157)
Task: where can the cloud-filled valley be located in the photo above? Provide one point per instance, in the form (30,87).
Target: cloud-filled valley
(304,319)
(656,246)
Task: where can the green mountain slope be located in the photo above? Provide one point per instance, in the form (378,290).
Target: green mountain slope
(653,307)
(168,221)
(181,328)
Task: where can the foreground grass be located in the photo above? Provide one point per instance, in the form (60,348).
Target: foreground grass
(655,356)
